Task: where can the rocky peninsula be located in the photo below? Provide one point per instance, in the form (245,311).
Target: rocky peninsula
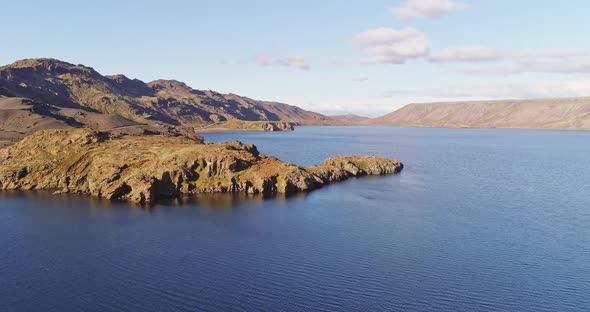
(142,169)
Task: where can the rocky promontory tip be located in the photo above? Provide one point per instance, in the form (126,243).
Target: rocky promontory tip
(145,168)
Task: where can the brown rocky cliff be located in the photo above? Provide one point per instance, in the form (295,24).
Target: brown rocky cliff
(145,168)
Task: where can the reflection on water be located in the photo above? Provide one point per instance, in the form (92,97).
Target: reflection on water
(203,200)
(224,200)
(479,220)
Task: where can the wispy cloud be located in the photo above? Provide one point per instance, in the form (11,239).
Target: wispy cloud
(392,46)
(299,62)
(549,53)
(506,62)
(415,9)
(559,66)
(479,53)
(474,53)
(570,88)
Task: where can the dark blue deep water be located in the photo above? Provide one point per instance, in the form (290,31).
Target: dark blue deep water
(479,220)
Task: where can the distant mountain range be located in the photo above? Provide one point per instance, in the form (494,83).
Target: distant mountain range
(45,93)
(42,93)
(566,113)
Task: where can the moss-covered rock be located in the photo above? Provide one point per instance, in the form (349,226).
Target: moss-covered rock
(144,168)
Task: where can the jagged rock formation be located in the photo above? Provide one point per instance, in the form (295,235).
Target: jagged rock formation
(144,168)
(566,113)
(248,126)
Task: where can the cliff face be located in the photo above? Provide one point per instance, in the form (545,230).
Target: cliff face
(567,113)
(144,168)
(240,125)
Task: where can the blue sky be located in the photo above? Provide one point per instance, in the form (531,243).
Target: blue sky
(364,57)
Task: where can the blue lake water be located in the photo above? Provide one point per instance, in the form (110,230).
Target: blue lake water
(479,220)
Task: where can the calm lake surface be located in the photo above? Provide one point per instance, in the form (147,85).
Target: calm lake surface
(479,220)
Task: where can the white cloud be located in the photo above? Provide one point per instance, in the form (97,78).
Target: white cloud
(299,62)
(414,9)
(392,46)
(360,78)
(384,36)
(475,53)
(571,88)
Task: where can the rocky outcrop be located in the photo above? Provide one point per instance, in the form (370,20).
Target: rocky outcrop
(278,126)
(256,125)
(144,168)
(247,125)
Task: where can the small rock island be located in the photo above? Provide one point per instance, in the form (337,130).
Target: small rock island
(142,169)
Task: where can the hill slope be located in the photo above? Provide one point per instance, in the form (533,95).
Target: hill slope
(170,102)
(20,117)
(567,113)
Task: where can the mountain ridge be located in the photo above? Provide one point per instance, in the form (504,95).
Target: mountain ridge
(552,113)
(167,101)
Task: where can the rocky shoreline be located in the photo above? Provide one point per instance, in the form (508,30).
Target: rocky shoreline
(242,125)
(142,169)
